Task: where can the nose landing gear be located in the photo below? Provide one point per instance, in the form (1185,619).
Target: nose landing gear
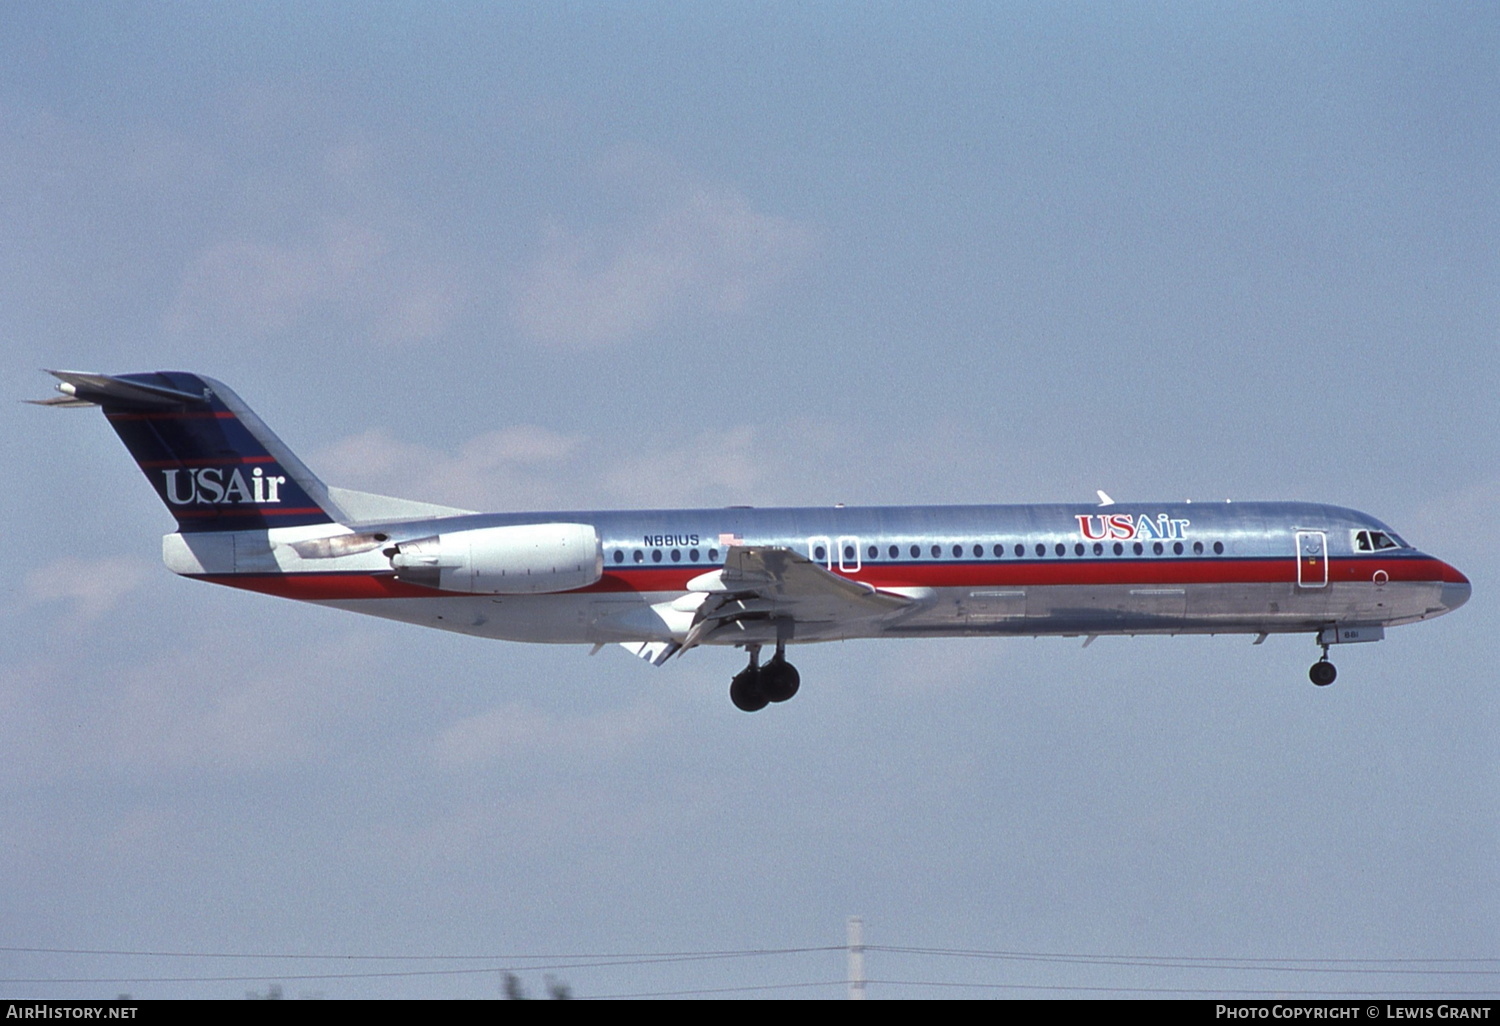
(1323,673)
(756,686)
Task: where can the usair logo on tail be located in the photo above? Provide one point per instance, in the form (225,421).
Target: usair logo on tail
(208,486)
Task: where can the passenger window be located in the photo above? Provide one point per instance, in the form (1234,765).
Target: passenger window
(937,550)
(1197,548)
(1139,548)
(1157,548)
(1119,549)
(915,551)
(656,555)
(619,556)
(873,551)
(1060,549)
(1177,548)
(713,555)
(820,554)
(848,553)
(693,555)
(894,551)
(1041,550)
(978,551)
(1098,548)
(639,556)
(1020,549)
(958,551)
(1078,549)
(677,555)
(1218,548)
(999,551)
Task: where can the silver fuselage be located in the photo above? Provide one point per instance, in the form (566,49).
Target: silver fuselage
(1126,568)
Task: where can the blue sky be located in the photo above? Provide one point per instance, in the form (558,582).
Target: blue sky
(546,256)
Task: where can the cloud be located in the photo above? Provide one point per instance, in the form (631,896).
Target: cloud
(734,464)
(93,586)
(517,467)
(795,462)
(310,225)
(704,252)
(529,467)
(345,267)
(229,702)
(223,700)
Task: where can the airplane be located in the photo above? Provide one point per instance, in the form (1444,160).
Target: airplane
(251,515)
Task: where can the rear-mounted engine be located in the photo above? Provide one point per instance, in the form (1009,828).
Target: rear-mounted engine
(527,559)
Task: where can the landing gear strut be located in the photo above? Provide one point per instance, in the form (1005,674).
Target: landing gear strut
(1323,673)
(756,686)
(744,690)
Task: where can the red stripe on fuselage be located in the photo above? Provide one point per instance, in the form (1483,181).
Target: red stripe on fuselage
(315,587)
(1070,571)
(1078,573)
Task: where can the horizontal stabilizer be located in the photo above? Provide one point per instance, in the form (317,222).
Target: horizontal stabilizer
(81,389)
(369,508)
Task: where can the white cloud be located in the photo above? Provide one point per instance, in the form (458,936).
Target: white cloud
(529,467)
(260,287)
(228,703)
(797,462)
(704,251)
(227,700)
(732,465)
(93,586)
(517,467)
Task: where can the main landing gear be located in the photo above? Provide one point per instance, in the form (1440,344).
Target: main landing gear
(1323,673)
(756,686)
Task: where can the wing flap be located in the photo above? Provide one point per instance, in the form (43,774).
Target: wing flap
(762,586)
(805,588)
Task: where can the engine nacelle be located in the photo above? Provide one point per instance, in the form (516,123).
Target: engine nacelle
(527,559)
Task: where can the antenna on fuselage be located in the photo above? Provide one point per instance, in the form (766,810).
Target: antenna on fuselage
(1104,499)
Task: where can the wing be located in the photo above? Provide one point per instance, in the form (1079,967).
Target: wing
(765,594)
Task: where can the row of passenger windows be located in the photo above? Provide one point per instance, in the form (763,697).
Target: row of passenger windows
(675,555)
(849,554)
(998,551)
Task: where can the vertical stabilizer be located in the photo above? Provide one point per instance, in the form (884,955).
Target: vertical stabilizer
(214,463)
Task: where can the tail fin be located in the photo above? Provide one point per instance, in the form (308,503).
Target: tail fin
(214,463)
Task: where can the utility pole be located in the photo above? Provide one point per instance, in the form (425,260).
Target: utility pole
(856,959)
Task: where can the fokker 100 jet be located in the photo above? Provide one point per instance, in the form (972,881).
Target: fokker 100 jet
(251,515)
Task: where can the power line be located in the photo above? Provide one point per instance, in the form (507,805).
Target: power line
(1275,992)
(1301,965)
(979,952)
(703,991)
(513,962)
(732,953)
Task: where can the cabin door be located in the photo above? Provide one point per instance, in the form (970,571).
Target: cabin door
(1312,559)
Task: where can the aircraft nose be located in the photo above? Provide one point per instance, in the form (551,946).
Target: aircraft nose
(1456,589)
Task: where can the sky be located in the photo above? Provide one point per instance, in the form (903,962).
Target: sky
(635,255)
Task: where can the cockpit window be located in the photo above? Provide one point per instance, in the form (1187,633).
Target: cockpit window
(1376,541)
